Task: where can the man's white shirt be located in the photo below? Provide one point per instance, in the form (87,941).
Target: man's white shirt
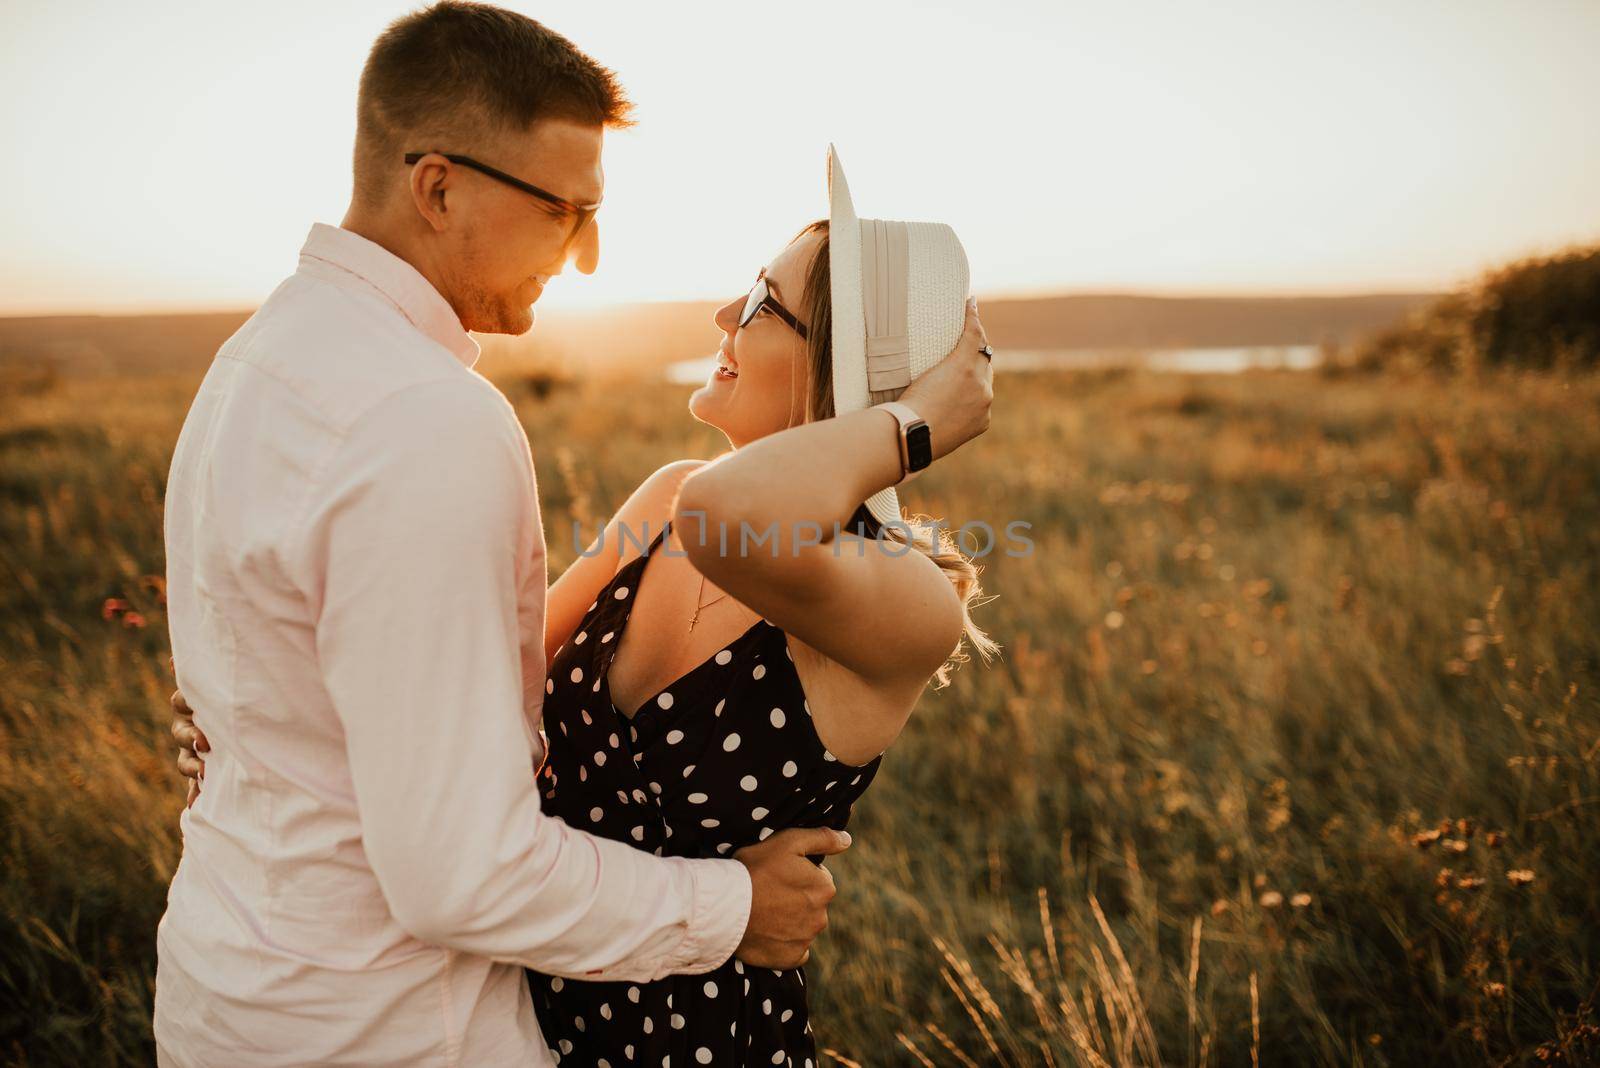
(356,582)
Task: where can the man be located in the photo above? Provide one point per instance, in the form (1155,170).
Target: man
(356,578)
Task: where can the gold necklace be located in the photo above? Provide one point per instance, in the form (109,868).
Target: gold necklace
(698,606)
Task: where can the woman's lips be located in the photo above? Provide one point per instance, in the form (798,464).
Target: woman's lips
(726,368)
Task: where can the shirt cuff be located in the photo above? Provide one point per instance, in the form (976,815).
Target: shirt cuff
(721,912)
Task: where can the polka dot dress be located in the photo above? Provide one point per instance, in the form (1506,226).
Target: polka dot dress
(723,757)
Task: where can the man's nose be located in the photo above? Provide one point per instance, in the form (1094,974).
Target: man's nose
(586,254)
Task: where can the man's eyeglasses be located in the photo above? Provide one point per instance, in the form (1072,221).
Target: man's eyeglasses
(581,213)
(760,296)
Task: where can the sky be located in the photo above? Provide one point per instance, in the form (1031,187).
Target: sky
(164,156)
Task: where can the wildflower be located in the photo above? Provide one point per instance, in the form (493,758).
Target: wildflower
(1424,839)
(1519,876)
(1469,882)
(1494,990)
(112,607)
(1444,877)
(1300,900)
(1114,620)
(1454,845)
(133,621)
(1219,906)
(1271,899)
(1493,839)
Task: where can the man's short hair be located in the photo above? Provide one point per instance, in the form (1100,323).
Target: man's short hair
(454,74)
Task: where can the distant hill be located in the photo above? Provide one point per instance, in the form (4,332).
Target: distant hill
(1541,313)
(643,336)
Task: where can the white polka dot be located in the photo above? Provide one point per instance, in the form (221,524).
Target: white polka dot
(766,1006)
(723,847)
(778,718)
(549,685)
(566,1045)
(633,732)
(665,700)
(731,742)
(615,741)
(718,710)
(828,756)
(638,834)
(855,780)
(602,1063)
(649,1025)
(738,966)
(622,593)
(607,636)
(709,823)
(677,1022)
(747,986)
(633,996)
(787,1013)
(577,1021)
(556,984)
(577,674)
(766,832)
(564,729)
(583,773)
(702,1055)
(674,737)
(724,656)
(587,722)
(758,813)
(583,636)
(639,796)
(748,783)
(605,1011)
(697,798)
(688,770)
(597,813)
(710,989)
(599,759)
(777,1058)
(790,769)
(596,687)
(655,788)
(760,670)
(628,1051)
(622,795)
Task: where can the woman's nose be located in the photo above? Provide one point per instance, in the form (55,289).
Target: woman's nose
(727,316)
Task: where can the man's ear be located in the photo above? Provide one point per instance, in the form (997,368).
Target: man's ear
(431,179)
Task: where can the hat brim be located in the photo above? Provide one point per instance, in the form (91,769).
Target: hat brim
(850,318)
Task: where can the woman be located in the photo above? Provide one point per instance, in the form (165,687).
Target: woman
(700,699)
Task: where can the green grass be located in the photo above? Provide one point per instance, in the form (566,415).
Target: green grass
(1273,629)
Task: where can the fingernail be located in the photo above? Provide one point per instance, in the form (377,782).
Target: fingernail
(846,837)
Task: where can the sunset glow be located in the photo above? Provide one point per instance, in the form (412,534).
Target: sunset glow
(173,156)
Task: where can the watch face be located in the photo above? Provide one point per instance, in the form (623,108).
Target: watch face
(919,447)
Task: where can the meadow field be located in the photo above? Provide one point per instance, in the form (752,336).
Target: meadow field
(1291,756)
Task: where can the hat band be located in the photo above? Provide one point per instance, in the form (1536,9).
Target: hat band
(885,266)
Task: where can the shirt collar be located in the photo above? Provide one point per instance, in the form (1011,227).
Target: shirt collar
(397,281)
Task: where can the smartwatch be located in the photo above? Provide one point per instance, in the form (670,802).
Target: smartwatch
(916,440)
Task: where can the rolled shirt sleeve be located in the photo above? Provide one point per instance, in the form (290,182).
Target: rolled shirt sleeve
(420,530)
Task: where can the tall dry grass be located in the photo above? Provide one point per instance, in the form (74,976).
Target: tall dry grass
(1292,755)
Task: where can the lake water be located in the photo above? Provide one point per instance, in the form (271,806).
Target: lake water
(1179,361)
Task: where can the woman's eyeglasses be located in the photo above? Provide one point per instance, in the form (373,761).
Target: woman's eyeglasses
(760,296)
(581,213)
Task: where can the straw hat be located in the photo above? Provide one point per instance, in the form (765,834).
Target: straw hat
(899,294)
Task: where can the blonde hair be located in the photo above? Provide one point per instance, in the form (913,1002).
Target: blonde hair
(936,543)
